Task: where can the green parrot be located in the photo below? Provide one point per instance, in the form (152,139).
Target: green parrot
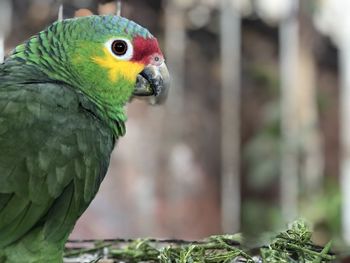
(62,99)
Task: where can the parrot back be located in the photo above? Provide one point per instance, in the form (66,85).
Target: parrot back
(54,153)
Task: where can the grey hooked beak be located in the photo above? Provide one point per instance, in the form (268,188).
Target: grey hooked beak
(153,84)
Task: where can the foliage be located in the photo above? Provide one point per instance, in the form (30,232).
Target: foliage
(292,245)
(324,211)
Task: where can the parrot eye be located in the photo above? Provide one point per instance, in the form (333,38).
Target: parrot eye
(121,48)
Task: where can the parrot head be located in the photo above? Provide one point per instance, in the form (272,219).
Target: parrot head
(109,58)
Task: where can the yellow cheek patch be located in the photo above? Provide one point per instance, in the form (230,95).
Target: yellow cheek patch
(118,68)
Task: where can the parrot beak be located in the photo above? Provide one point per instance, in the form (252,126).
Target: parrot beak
(153,84)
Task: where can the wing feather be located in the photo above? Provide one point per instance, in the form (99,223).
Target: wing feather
(52,160)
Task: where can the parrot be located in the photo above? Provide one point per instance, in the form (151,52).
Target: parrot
(63,97)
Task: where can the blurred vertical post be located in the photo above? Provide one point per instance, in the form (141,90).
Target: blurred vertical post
(230,26)
(175,50)
(312,170)
(333,19)
(344,61)
(118,7)
(289,44)
(2,47)
(5,24)
(60,13)
(175,46)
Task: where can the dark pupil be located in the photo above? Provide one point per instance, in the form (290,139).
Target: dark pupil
(119,47)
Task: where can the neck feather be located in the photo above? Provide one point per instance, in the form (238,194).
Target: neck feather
(45,56)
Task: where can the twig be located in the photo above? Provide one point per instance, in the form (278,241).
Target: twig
(288,246)
(130,240)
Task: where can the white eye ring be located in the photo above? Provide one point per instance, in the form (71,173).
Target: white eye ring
(121,48)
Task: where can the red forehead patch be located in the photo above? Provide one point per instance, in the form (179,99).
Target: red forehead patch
(144,49)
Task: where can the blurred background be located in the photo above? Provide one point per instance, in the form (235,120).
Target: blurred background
(256,129)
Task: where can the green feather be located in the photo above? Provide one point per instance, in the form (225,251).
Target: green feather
(59,121)
(38,170)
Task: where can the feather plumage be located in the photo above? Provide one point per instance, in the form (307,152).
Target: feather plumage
(61,113)
(54,153)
